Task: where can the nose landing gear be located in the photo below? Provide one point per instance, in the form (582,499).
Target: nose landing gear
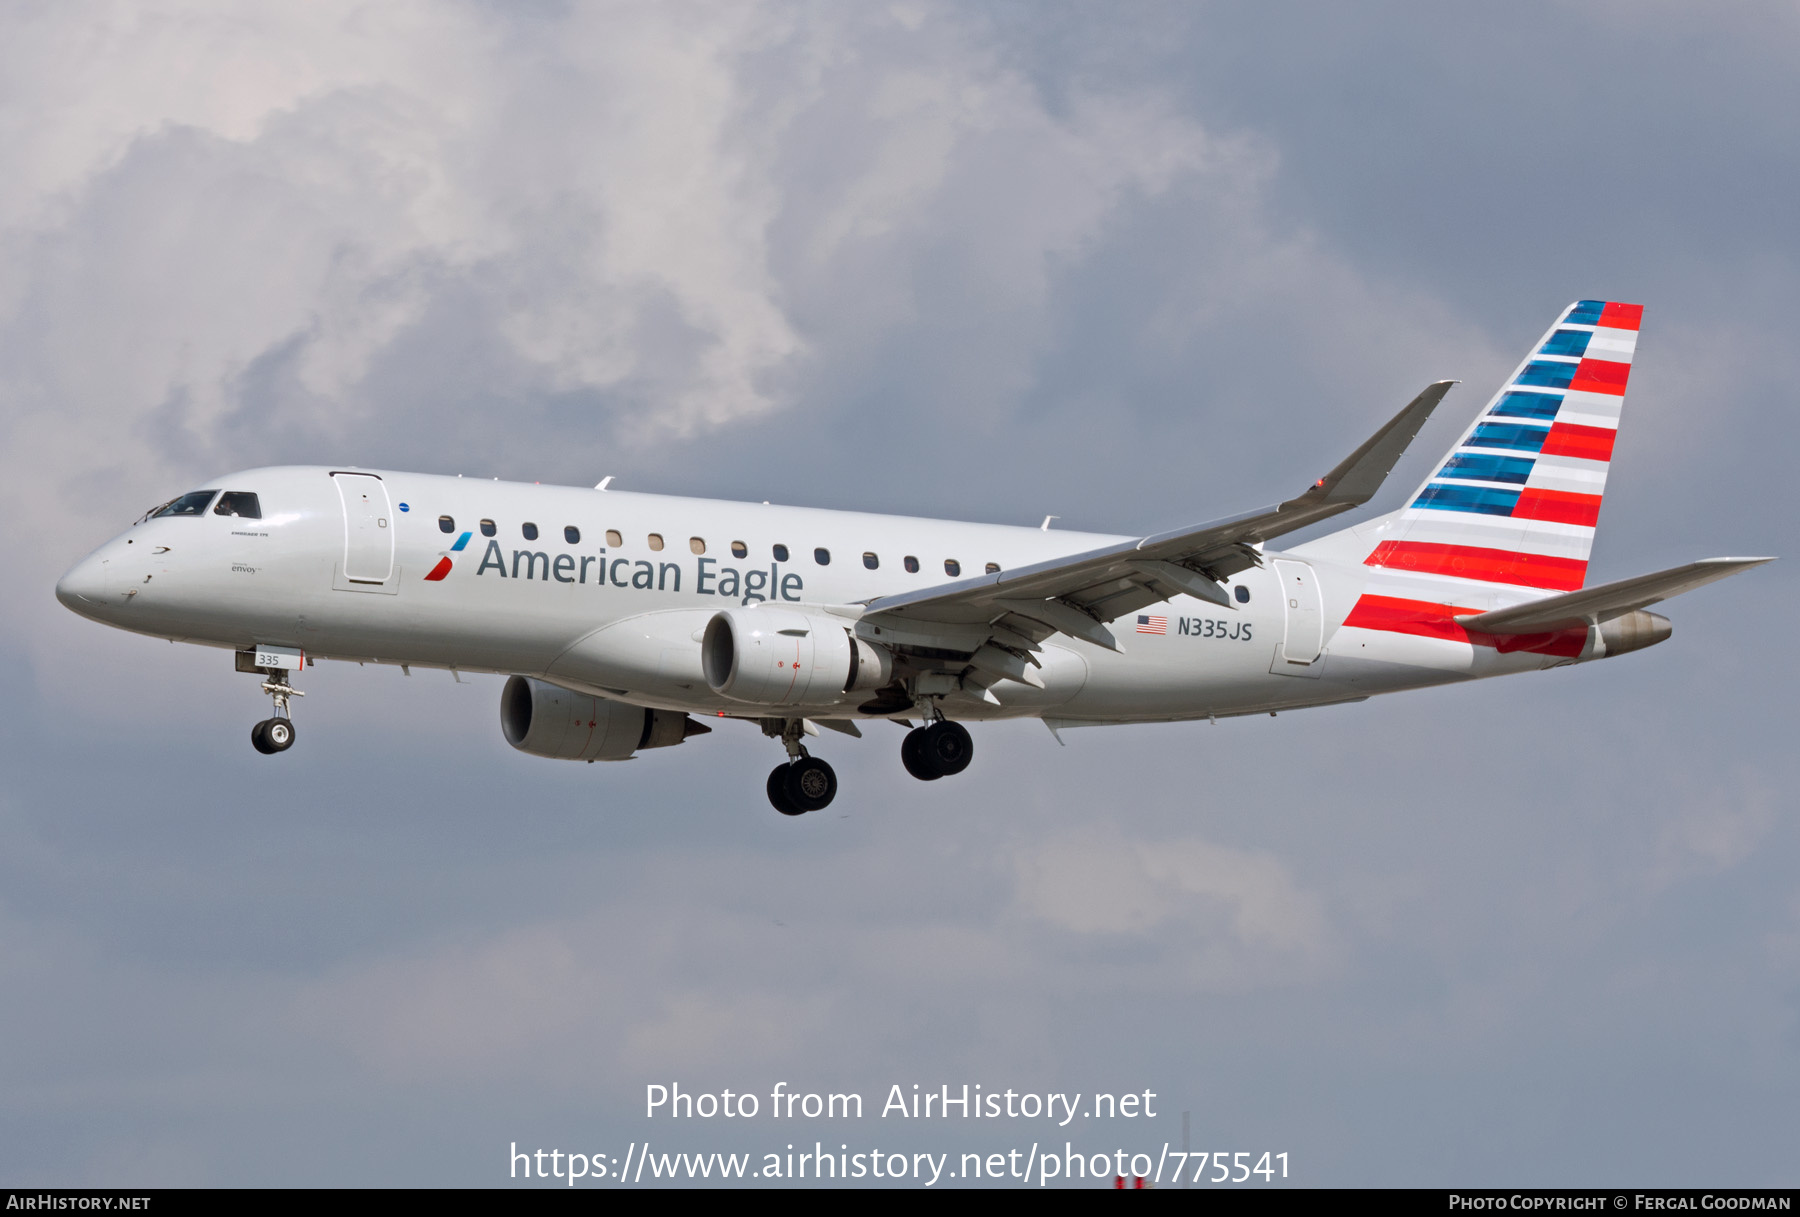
(272,735)
(276,734)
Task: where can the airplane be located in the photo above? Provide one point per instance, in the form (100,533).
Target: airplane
(626,622)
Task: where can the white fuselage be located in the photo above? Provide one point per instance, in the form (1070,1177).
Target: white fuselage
(338,579)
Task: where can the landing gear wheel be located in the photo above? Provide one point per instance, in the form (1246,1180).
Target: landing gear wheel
(913,758)
(778,791)
(946,748)
(810,784)
(259,738)
(278,733)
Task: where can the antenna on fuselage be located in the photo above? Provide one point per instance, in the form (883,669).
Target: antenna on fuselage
(601,484)
(1045,526)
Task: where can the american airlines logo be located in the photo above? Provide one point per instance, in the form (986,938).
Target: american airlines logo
(444,562)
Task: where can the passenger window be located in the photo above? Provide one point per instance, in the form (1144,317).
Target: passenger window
(613,538)
(446,524)
(240,503)
(871,561)
(572,535)
(488,529)
(190,504)
(822,556)
(697,544)
(952,566)
(1242,593)
(993,568)
(530,531)
(780,552)
(656,541)
(739,550)
(912,565)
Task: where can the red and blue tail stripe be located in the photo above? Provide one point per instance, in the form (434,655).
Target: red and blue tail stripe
(1516,501)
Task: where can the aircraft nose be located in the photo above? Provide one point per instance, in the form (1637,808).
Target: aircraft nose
(83,588)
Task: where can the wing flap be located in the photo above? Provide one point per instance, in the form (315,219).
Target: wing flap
(1606,601)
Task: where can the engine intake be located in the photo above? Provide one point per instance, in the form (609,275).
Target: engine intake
(548,720)
(775,657)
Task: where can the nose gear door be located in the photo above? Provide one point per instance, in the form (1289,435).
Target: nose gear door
(368,529)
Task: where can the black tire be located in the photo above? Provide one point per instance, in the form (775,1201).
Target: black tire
(913,757)
(947,748)
(279,734)
(259,738)
(811,784)
(778,792)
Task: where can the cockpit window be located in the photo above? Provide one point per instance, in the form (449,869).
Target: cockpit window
(240,503)
(192,503)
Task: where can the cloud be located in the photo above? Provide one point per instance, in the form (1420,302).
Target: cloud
(357,231)
(1710,833)
(1225,918)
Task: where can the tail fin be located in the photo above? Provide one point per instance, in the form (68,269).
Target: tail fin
(1516,500)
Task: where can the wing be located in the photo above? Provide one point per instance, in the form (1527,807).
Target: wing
(1079,594)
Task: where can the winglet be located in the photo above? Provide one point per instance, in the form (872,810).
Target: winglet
(1360,475)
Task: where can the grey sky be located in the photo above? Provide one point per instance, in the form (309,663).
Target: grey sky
(1137,265)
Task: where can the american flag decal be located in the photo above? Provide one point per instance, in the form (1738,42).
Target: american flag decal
(1152,625)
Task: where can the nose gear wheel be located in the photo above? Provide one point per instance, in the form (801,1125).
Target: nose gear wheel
(272,735)
(275,734)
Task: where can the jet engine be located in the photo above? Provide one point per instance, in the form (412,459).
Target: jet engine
(775,657)
(547,720)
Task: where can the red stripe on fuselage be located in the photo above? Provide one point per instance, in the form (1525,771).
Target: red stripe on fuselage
(1573,439)
(438,571)
(1484,565)
(1558,507)
(1398,616)
(1428,620)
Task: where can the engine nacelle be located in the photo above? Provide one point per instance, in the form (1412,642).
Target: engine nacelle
(548,720)
(774,657)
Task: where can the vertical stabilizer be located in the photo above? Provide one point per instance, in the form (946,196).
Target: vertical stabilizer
(1515,502)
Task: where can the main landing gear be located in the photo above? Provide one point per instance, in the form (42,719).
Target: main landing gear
(799,786)
(803,782)
(276,734)
(937,750)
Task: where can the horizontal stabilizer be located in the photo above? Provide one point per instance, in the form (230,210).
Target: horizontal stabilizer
(1606,601)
